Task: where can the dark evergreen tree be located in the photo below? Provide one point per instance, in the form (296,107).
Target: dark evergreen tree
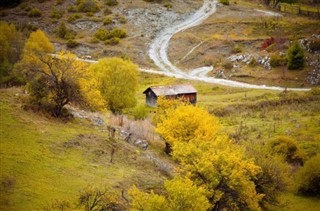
(296,60)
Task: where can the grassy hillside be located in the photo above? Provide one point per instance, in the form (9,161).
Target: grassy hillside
(43,159)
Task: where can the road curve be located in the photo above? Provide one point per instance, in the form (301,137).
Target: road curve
(158,52)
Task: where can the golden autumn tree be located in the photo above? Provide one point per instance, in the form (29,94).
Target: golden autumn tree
(210,159)
(11,45)
(57,79)
(181,194)
(118,81)
(186,123)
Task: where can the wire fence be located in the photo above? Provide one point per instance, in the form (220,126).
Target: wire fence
(300,9)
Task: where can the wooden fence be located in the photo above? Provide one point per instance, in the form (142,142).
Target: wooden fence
(299,9)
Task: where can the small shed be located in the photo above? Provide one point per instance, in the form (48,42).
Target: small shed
(185,91)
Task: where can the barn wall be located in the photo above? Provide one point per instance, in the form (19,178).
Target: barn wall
(151,99)
(192,97)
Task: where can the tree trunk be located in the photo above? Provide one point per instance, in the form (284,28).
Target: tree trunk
(168,149)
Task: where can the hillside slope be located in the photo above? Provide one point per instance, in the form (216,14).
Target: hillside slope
(45,159)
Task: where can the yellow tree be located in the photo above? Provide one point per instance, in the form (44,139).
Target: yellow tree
(181,194)
(59,79)
(118,81)
(211,160)
(11,45)
(186,123)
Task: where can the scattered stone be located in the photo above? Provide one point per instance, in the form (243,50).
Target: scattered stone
(97,121)
(142,144)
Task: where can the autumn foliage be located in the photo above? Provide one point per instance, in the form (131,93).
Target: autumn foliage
(208,159)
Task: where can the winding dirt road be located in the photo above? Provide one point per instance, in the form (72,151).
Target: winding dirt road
(159,53)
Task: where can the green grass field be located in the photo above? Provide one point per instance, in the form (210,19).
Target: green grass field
(43,159)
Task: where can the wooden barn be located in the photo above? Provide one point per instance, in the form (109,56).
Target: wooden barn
(185,91)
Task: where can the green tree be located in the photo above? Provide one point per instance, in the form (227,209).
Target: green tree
(181,194)
(62,78)
(118,81)
(295,56)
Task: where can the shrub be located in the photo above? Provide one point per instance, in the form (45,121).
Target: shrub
(107,21)
(273,178)
(224,2)
(315,45)
(112,41)
(73,17)
(277,60)
(227,65)
(295,56)
(72,43)
(35,12)
(120,33)
(287,147)
(107,11)
(266,43)
(72,8)
(140,112)
(168,6)
(60,2)
(122,19)
(253,62)
(56,14)
(104,34)
(88,6)
(236,49)
(111,2)
(308,177)
(62,30)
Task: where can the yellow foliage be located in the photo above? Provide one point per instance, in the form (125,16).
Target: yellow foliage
(182,194)
(222,169)
(62,78)
(210,160)
(38,44)
(10,42)
(147,201)
(186,123)
(118,81)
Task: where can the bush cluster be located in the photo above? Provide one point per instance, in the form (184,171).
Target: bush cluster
(308,177)
(35,12)
(224,2)
(112,2)
(88,6)
(73,17)
(71,43)
(277,60)
(56,14)
(287,147)
(110,37)
(107,21)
